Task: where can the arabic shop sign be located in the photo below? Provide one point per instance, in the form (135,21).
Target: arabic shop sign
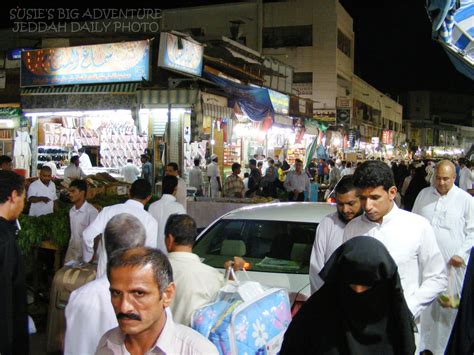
(180,54)
(103,63)
(324,115)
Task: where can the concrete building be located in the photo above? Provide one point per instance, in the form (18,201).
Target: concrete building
(439,118)
(315,37)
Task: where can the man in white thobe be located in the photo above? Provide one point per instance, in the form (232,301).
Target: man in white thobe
(166,205)
(140,194)
(195,177)
(130,172)
(84,159)
(466,176)
(172,169)
(89,312)
(331,229)
(450,212)
(215,185)
(409,238)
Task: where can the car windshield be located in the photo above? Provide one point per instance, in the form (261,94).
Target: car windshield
(269,246)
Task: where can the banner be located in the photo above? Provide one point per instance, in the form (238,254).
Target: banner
(102,63)
(253,101)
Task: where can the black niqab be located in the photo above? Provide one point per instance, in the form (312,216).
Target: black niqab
(338,320)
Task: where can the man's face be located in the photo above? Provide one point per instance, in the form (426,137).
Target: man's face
(237,172)
(45,177)
(170,171)
(377,202)
(444,179)
(75,195)
(136,299)
(298,167)
(76,162)
(348,205)
(143,160)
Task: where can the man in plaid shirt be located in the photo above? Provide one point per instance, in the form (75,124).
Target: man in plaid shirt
(234,186)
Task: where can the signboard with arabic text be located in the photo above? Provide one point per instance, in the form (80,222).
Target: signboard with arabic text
(101,63)
(180,54)
(324,115)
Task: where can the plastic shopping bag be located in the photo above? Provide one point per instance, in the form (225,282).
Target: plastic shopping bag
(452,296)
(245,290)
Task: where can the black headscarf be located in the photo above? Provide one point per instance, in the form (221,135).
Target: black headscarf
(461,341)
(337,320)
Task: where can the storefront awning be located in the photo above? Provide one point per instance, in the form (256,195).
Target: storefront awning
(217,111)
(119,88)
(167,97)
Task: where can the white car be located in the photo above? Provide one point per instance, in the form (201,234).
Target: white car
(275,238)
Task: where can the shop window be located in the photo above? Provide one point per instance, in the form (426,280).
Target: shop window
(343,43)
(303,78)
(288,36)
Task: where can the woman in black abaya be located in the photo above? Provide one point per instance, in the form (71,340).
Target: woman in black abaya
(359,310)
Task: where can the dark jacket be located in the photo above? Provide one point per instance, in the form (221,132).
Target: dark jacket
(13,312)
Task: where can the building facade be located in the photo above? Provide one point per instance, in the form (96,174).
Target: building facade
(315,37)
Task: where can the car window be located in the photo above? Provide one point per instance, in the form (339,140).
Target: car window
(271,246)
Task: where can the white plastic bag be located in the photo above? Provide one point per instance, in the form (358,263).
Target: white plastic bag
(452,296)
(245,290)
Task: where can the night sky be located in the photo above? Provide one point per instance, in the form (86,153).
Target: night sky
(393,50)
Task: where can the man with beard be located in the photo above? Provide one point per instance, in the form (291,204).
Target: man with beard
(331,229)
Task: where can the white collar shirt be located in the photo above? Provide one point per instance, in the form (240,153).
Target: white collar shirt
(196,285)
(174,339)
(452,218)
(73,172)
(300,182)
(79,219)
(161,210)
(85,161)
(97,227)
(38,189)
(89,314)
(130,173)
(466,179)
(195,177)
(411,242)
(328,238)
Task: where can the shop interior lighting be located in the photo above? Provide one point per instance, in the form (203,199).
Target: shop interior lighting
(7,123)
(213,141)
(336,142)
(81,113)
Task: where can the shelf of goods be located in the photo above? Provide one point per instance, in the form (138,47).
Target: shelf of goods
(295,153)
(57,154)
(231,155)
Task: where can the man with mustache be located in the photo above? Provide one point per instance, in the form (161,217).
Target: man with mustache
(89,313)
(331,228)
(141,288)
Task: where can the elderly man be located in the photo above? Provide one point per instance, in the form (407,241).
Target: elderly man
(89,313)
(408,237)
(331,228)
(141,288)
(233,185)
(450,211)
(140,194)
(297,183)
